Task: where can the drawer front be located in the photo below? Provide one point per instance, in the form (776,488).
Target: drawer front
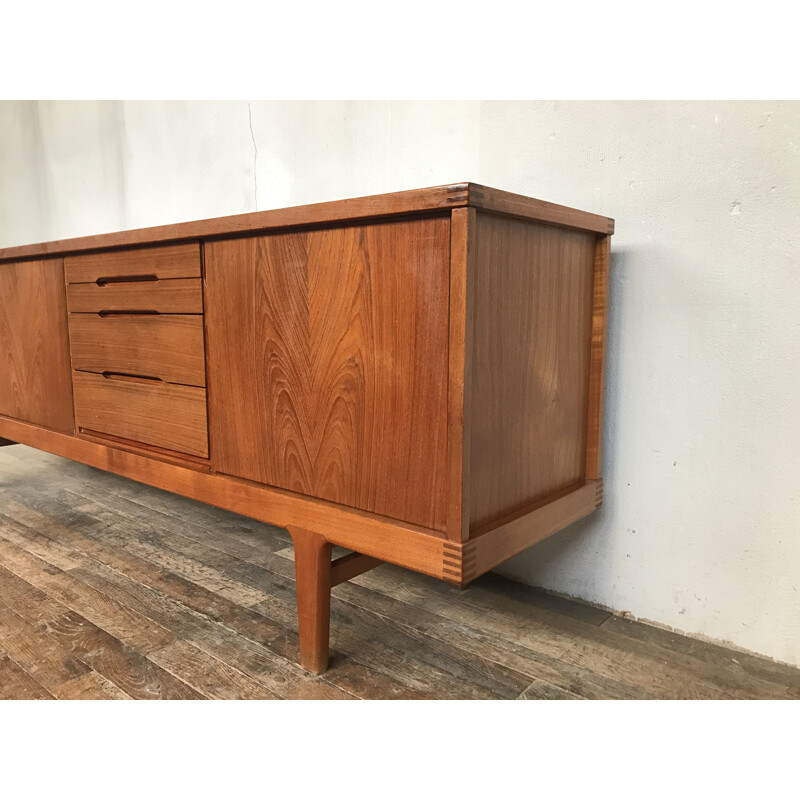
(173,261)
(162,346)
(172,296)
(155,413)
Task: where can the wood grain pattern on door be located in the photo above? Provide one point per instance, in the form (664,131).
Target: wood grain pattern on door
(35,381)
(327,363)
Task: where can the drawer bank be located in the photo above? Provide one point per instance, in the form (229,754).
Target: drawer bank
(416,377)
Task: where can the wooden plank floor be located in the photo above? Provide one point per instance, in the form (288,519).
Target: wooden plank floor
(110,589)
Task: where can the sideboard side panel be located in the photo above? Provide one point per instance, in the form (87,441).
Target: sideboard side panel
(530,363)
(597,376)
(35,383)
(327,364)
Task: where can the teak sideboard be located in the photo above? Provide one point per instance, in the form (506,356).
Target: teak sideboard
(416,377)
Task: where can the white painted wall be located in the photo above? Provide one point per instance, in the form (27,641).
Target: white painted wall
(701,525)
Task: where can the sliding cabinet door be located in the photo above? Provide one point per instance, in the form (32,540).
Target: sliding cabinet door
(327,363)
(35,381)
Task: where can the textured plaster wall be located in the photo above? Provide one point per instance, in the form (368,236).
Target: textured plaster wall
(701,525)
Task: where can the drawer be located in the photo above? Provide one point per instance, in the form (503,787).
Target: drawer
(172,296)
(149,263)
(162,346)
(149,412)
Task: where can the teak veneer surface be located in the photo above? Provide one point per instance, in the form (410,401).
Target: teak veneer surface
(390,540)
(169,347)
(417,376)
(327,358)
(170,296)
(460,346)
(435,198)
(176,261)
(35,381)
(530,363)
(166,415)
(597,380)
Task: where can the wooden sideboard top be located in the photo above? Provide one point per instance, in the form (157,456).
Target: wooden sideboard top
(436,198)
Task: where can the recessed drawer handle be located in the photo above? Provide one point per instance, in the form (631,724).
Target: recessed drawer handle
(125,279)
(125,376)
(128,313)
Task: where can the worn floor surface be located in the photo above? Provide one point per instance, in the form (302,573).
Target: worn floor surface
(110,589)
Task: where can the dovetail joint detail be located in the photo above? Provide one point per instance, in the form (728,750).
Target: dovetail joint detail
(599,494)
(459,562)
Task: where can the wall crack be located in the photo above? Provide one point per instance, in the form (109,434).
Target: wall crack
(255,155)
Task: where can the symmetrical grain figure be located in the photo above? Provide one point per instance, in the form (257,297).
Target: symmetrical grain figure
(417,377)
(328,358)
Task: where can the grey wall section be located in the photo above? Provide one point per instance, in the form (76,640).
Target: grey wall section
(700,529)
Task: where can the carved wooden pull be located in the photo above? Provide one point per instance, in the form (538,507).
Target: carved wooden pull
(124,376)
(105,281)
(128,313)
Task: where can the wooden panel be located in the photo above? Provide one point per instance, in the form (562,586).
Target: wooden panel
(149,450)
(164,346)
(494,545)
(530,363)
(178,296)
(515,535)
(177,261)
(459,398)
(517,205)
(34,357)
(327,364)
(399,543)
(358,208)
(598,356)
(162,414)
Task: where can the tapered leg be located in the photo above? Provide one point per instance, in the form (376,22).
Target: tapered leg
(312,568)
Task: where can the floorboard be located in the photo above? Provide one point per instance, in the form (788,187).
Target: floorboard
(16,684)
(113,590)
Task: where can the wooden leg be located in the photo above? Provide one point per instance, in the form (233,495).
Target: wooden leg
(312,568)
